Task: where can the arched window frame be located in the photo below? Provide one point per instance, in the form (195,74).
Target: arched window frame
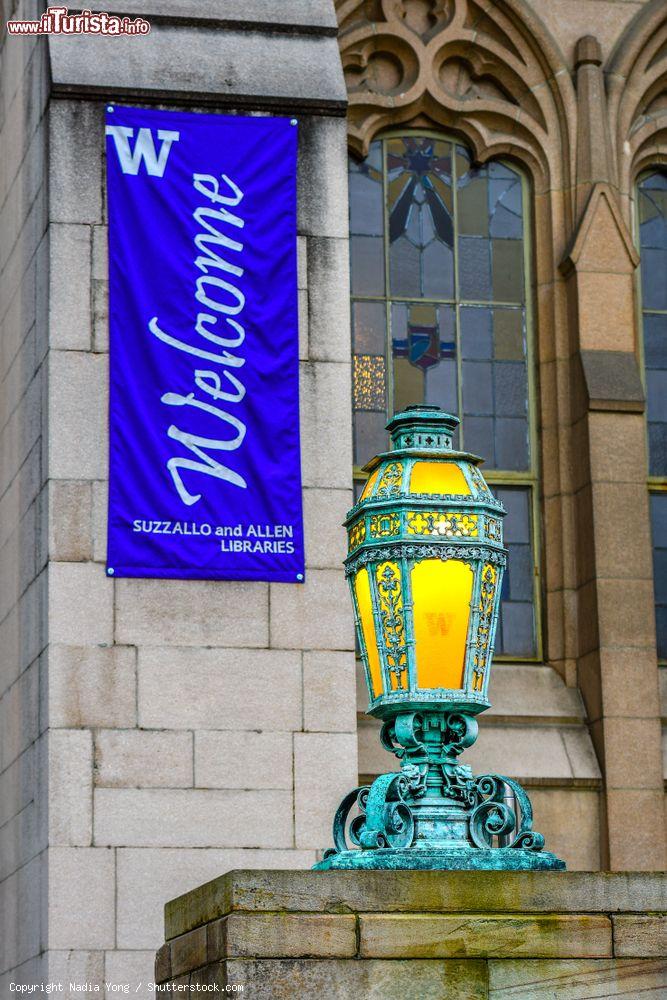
(530,478)
(657,485)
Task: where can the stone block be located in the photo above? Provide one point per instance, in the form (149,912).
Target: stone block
(532,690)
(99,520)
(129,758)
(328,692)
(81,604)
(70,787)
(628,682)
(288,935)
(605,311)
(19,716)
(219,689)
(522,751)
(304,69)
(642,936)
(322,177)
(419,892)
(328,299)
(325,537)
(302,296)
(78,415)
(577,979)
(580,752)
(315,615)
(634,845)
(130,968)
(326,424)
(81,898)
(325,769)
(616,505)
(577,842)
(644,769)
(92,686)
(192,612)
(70,520)
(175,817)
(76,141)
(149,877)
(635,626)
(483,935)
(69,287)
(614,455)
(243,759)
(75,967)
(100,289)
(340,979)
(188,952)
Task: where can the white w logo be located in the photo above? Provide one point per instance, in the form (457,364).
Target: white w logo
(144,149)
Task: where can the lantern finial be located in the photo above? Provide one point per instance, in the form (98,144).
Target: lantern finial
(425,566)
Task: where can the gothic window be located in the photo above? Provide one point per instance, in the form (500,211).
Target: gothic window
(441,314)
(652,219)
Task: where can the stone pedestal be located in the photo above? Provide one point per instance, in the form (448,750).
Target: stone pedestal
(472,935)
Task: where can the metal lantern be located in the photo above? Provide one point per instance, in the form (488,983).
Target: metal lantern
(425,566)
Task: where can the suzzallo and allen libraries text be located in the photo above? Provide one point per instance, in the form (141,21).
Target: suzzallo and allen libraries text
(234,537)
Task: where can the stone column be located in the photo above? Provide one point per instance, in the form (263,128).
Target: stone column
(617,660)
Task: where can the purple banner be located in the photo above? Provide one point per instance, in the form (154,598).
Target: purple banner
(204,477)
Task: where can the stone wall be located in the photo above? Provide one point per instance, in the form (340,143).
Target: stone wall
(192,726)
(421,935)
(24,277)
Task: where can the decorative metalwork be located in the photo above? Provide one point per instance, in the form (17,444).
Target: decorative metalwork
(356,534)
(385,525)
(393,622)
(492,529)
(412,569)
(390,481)
(487,604)
(450,524)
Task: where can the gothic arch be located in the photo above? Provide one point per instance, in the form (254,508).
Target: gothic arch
(636,76)
(487,70)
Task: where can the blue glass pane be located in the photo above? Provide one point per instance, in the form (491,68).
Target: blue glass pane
(655,340)
(475,268)
(369,328)
(510,389)
(518,633)
(367,265)
(511,437)
(475,330)
(366,197)
(659,532)
(657,449)
(656,395)
(654,278)
(477,388)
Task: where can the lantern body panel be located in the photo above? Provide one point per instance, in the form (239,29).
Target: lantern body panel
(425,565)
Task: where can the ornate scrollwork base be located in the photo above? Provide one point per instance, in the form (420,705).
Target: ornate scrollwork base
(434,813)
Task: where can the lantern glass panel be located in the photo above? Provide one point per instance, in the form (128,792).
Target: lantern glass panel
(370,483)
(441,596)
(362,590)
(438,477)
(390,603)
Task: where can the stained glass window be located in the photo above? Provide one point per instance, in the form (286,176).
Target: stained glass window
(440,315)
(652,220)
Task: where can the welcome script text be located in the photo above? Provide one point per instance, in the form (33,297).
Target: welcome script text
(222,300)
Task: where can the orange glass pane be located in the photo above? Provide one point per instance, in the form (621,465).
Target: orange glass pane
(370,483)
(362,589)
(438,477)
(441,595)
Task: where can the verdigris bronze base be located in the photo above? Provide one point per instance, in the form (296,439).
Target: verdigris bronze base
(454,859)
(434,814)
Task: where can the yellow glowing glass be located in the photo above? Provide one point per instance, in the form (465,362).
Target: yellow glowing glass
(441,595)
(390,600)
(438,477)
(370,483)
(362,590)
